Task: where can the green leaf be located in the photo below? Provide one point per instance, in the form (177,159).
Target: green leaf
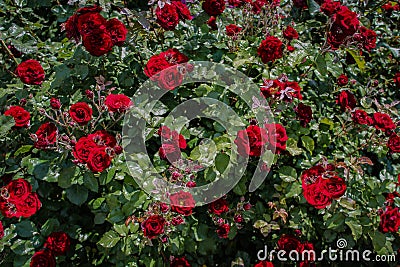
(313,7)
(287,174)
(321,64)
(221,162)
(22,247)
(355,227)
(347,203)
(291,147)
(336,221)
(25,228)
(109,239)
(6,123)
(50,226)
(308,143)
(378,240)
(23,149)
(90,182)
(66,175)
(77,194)
(359,59)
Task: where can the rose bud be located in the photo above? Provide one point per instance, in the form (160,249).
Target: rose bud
(238,218)
(118,150)
(191,184)
(176,175)
(89,94)
(164,239)
(55,103)
(247,206)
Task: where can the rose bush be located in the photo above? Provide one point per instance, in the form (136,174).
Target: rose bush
(328,71)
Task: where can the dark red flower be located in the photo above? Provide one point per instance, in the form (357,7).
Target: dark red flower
(98,159)
(264,264)
(30,72)
(302,4)
(117,31)
(81,113)
(20,115)
(390,220)
(212,23)
(290,33)
(58,243)
(394,143)
(180,262)
(330,7)
(367,38)
(55,103)
(82,149)
(18,189)
(342,80)
(46,135)
(276,137)
(117,103)
(218,206)
(43,258)
(182,203)
(232,30)
(304,114)
(29,206)
(270,49)
(271,87)
(289,243)
(334,187)
(98,42)
(214,7)
(315,195)
(383,121)
(153,226)
(251,141)
(396,79)
(347,20)
(223,230)
(346,100)
(91,23)
(361,117)
(182,9)
(169,78)
(1,230)
(167,16)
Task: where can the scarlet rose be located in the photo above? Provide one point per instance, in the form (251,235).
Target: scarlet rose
(367,38)
(46,135)
(394,143)
(18,189)
(390,220)
(361,117)
(214,7)
(182,9)
(180,262)
(98,42)
(182,203)
(55,103)
(334,187)
(236,3)
(98,160)
(29,206)
(218,206)
(173,56)
(117,103)
(169,150)
(330,7)
(290,90)
(290,33)
(167,16)
(223,230)
(315,195)
(91,22)
(264,264)
(153,226)
(232,30)
(117,31)
(277,137)
(170,78)
(212,23)
(82,149)
(81,113)
(103,138)
(342,80)
(71,28)
(311,175)
(347,20)
(58,243)
(304,114)
(396,79)
(155,64)
(20,115)
(383,121)
(289,243)
(346,100)
(251,141)
(271,87)
(177,221)
(43,258)
(270,49)
(30,72)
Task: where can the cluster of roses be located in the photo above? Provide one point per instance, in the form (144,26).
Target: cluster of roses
(254,140)
(17,199)
(169,13)
(390,216)
(321,185)
(56,244)
(183,172)
(98,34)
(391,6)
(20,115)
(344,26)
(281,89)
(172,143)
(160,68)
(289,243)
(96,150)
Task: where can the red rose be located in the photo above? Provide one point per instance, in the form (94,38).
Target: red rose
(170,78)
(103,138)
(346,100)
(98,42)
(89,9)
(290,33)
(98,160)
(396,79)
(117,103)
(277,137)
(304,114)
(251,141)
(180,262)
(270,49)
(169,150)
(342,80)
(43,258)
(307,246)
(223,230)
(1,230)
(173,56)
(214,7)
(46,135)
(236,3)
(71,28)
(367,38)
(182,203)
(334,187)
(55,103)
(183,10)
(117,31)
(167,16)
(20,115)
(264,264)
(177,221)
(58,243)
(361,117)
(390,220)
(155,64)
(232,30)
(153,226)
(271,87)
(91,23)
(29,206)
(82,149)
(218,206)
(212,23)
(18,189)
(30,72)
(330,7)
(80,113)
(347,20)
(383,121)
(394,143)
(290,90)
(289,243)
(315,195)
(290,48)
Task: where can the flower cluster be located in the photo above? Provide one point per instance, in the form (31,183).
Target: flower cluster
(20,115)
(56,244)
(169,13)
(281,89)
